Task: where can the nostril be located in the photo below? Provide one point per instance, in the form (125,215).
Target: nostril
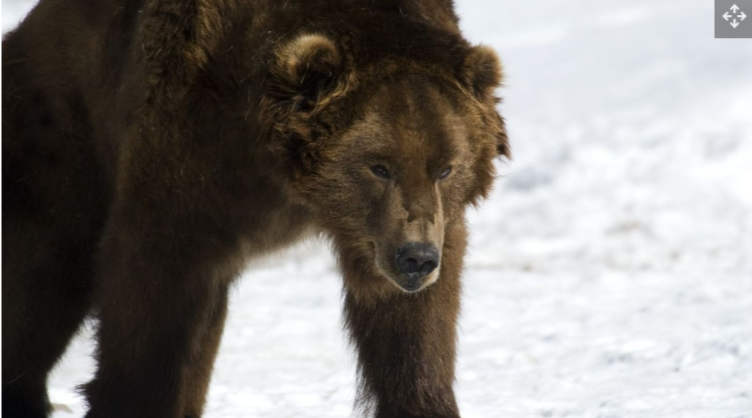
(428,267)
(411,264)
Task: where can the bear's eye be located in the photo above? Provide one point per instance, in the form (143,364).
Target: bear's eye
(381,171)
(445,173)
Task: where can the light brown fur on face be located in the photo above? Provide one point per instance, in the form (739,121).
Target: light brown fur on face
(412,131)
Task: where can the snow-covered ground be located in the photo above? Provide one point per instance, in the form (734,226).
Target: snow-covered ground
(610,274)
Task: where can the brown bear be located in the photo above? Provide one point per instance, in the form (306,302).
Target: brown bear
(151,147)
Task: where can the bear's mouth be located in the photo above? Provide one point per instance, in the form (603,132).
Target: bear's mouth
(411,283)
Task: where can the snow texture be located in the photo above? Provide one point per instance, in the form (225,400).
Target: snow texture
(609,274)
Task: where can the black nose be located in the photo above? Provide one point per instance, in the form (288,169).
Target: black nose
(417,259)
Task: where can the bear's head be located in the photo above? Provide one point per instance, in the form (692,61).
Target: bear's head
(387,145)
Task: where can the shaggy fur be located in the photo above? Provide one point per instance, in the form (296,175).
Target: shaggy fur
(150,148)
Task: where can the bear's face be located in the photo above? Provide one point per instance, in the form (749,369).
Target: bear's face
(388,162)
(405,168)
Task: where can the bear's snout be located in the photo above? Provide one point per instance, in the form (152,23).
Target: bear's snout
(415,261)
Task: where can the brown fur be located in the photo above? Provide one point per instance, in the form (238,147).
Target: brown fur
(150,148)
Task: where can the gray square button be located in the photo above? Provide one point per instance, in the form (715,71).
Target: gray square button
(733,18)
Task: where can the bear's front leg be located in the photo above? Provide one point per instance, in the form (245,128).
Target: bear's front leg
(406,343)
(201,364)
(161,304)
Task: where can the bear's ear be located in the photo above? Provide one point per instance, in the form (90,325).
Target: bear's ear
(482,70)
(306,67)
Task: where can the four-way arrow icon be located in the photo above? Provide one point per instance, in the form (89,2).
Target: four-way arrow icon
(741,16)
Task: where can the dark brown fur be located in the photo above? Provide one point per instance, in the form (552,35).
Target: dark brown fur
(151,147)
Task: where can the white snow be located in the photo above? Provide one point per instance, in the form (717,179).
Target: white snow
(609,275)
